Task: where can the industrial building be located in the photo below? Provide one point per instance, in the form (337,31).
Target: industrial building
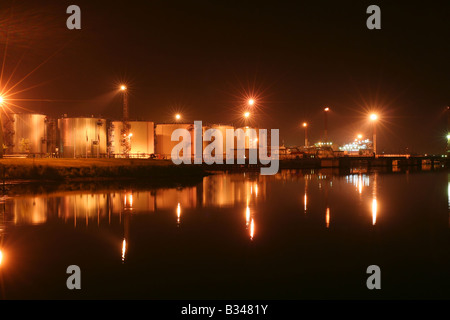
(141,139)
(26,133)
(82,137)
(164,143)
(37,135)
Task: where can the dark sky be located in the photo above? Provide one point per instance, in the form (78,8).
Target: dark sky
(204,58)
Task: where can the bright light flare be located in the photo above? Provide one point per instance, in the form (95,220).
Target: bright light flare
(247,114)
(123,88)
(373,117)
(1,257)
(304,124)
(178,116)
(359,136)
(251,102)
(1,99)
(326,109)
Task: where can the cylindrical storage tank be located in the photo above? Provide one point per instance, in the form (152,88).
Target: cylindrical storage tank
(25,133)
(251,137)
(82,137)
(223,131)
(164,145)
(142,139)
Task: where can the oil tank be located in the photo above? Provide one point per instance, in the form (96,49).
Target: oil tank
(163,134)
(142,139)
(25,133)
(222,129)
(82,137)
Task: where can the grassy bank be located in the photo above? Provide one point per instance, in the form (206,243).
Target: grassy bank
(94,169)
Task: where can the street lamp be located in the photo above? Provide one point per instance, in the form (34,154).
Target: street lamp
(374,118)
(246,114)
(305,125)
(251,102)
(177,116)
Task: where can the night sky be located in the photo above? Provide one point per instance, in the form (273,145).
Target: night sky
(205,58)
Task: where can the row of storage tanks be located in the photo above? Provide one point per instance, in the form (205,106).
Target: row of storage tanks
(90,137)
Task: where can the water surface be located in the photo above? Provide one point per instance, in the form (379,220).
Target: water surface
(297,235)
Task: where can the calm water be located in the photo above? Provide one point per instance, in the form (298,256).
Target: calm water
(296,235)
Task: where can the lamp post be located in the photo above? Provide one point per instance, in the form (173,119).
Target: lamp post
(125,125)
(326,110)
(374,118)
(448,129)
(305,125)
(2,100)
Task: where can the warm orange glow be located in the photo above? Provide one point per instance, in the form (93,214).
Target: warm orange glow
(305,124)
(124,248)
(305,201)
(251,102)
(178,116)
(360,184)
(130,200)
(1,99)
(373,117)
(1,257)
(374,211)
(327,217)
(247,114)
(252,229)
(359,136)
(123,88)
(326,109)
(247,216)
(178,212)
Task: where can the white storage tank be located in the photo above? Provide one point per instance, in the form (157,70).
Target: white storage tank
(142,139)
(82,137)
(25,133)
(163,133)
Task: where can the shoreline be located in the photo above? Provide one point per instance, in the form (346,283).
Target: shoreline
(143,171)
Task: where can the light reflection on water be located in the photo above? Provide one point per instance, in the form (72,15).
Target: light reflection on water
(217,191)
(225,191)
(309,204)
